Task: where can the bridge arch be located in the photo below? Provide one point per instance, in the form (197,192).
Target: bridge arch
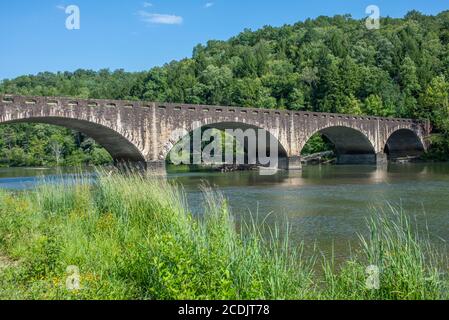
(121,149)
(404,143)
(179,134)
(351,145)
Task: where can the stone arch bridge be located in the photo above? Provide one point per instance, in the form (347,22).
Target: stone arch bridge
(143,132)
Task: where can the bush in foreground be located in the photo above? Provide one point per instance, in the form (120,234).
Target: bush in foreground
(132,237)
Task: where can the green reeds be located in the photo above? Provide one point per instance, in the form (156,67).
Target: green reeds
(133,237)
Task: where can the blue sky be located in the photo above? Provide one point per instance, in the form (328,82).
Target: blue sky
(137,35)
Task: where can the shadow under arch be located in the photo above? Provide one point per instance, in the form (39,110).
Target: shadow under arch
(120,148)
(282,154)
(404,143)
(351,145)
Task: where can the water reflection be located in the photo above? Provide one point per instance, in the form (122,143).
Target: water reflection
(329,204)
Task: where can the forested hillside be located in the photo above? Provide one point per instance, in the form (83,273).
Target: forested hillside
(325,64)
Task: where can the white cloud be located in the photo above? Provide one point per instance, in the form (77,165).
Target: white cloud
(60,7)
(147,4)
(208,5)
(160,18)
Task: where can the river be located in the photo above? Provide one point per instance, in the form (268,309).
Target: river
(325,206)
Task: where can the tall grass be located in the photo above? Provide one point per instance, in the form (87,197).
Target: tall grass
(133,237)
(409,267)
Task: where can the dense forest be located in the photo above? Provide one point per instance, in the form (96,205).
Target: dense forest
(329,64)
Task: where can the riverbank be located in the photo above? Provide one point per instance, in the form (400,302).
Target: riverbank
(146,245)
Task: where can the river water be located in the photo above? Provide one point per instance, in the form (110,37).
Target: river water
(324,206)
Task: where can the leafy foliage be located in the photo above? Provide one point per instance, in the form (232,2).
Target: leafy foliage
(41,145)
(147,245)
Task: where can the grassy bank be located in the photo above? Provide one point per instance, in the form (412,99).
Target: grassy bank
(132,237)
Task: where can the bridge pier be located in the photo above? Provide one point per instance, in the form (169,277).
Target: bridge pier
(152,167)
(129,165)
(290,163)
(381,158)
(156,168)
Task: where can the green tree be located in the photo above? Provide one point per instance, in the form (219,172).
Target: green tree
(351,105)
(410,86)
(435,101)
(374,105)
(216,83)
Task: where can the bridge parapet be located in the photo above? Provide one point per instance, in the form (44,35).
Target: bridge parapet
(174,107)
